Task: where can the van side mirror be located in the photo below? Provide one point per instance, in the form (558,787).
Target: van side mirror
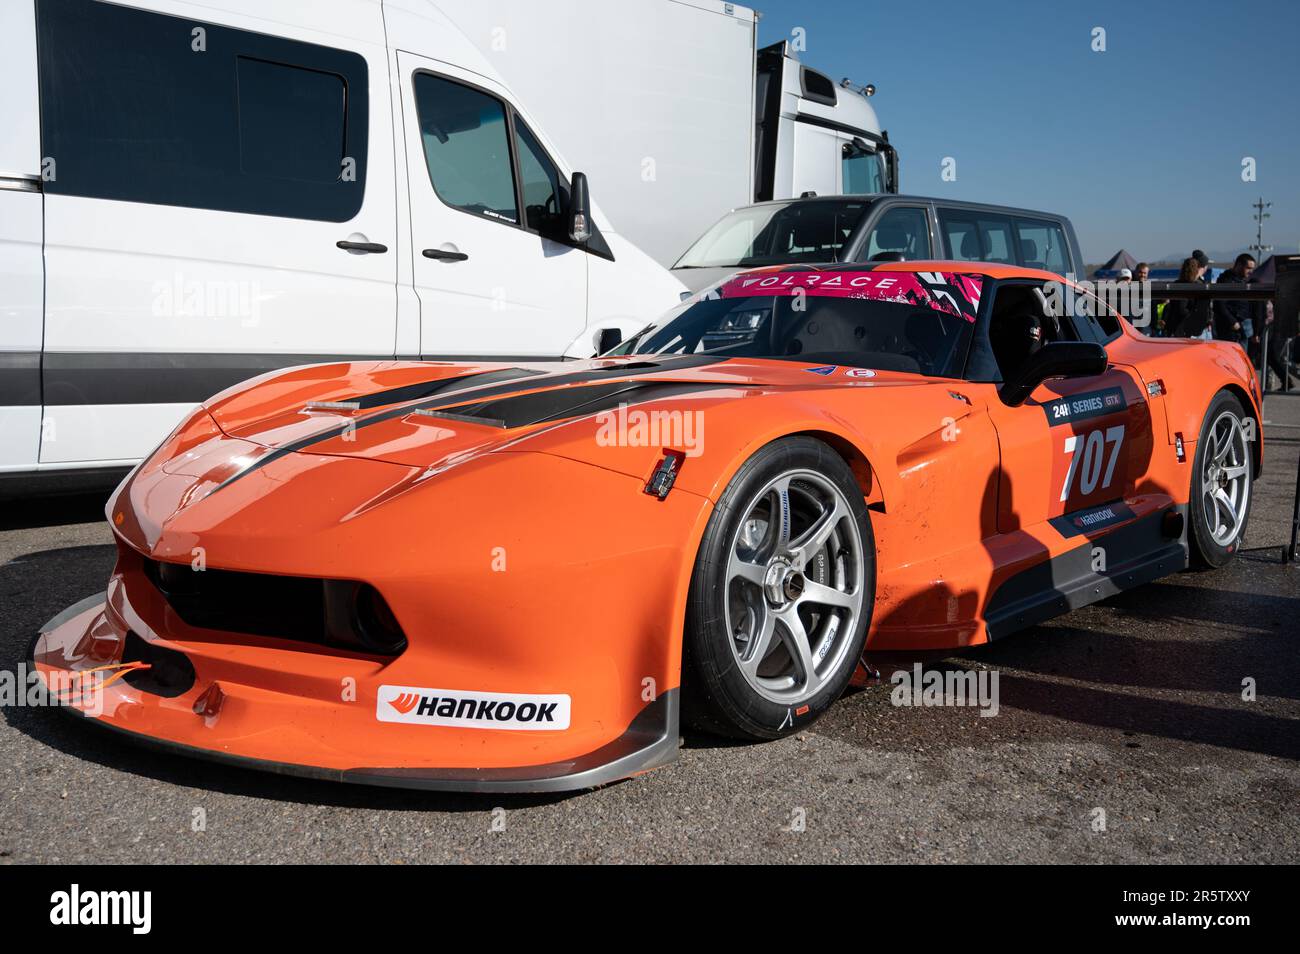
(1059,359)
(607,339)
(579,209)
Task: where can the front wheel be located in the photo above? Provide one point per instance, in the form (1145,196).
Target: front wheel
(1221,482)
(781,596)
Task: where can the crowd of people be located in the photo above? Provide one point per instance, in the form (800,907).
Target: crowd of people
(1221,319)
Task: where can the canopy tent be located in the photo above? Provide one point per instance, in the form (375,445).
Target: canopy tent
(1120,259)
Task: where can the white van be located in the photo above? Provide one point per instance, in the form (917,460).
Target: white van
(192,194)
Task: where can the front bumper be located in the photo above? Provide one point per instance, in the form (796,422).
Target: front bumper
(221,718)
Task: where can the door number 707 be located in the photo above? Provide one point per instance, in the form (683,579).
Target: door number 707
(1088,465)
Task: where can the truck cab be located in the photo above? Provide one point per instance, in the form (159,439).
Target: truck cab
(813,135)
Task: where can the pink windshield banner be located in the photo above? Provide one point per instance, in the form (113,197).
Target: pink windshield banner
(952,293)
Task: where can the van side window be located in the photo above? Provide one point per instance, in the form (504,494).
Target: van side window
(976,237)
(290,121)
(466,147)
(902,230)
(544,194)
(131,111)
(1042,245)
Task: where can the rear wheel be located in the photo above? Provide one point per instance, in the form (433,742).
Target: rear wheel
(1221,482)
(781,596)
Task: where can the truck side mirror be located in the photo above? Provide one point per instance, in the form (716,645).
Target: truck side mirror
(579,210)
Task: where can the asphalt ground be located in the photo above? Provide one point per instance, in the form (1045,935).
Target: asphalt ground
(1129,712)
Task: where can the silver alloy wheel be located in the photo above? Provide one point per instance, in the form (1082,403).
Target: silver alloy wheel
(794,586)
(1225,479)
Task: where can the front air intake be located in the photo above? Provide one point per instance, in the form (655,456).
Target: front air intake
(344,613)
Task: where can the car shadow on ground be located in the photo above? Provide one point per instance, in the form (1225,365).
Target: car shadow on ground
(1206,656)
(1115,676)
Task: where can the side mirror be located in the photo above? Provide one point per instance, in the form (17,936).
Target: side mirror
(888,257)
(607,339)
(579,209)
(1060,359)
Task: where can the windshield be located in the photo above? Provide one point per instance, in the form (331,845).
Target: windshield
(917,322)
(778,234)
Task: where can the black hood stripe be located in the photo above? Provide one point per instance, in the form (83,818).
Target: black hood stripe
(527,383)
(542,406)
(427,389)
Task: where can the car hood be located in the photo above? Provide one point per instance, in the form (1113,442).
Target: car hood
(306,448)
(433,415)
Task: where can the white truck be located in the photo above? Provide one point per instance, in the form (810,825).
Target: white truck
(674,113)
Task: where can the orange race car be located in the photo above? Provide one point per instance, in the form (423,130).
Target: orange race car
(505,577)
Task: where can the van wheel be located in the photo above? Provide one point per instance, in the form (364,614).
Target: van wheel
(781,596)
(1221,483)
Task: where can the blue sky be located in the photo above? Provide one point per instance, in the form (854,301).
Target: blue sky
(1140,145)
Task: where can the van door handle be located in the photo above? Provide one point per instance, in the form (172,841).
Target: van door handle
(442,256)
(362,246)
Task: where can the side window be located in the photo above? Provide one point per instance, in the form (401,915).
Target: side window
(962,237)
(1042,245)
(252,123)
(466,147)
(974,237)
(290,121)
(861,170)
(1092,319)
(903,230)
(544,194)
(995,235)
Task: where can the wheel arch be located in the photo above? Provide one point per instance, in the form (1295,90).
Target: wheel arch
(863,470)
(1248,404)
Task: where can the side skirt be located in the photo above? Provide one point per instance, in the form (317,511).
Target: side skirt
(1136,553)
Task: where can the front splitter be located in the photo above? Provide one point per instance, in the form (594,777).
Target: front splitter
(650,741)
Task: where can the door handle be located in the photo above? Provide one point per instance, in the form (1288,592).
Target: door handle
(442,256)
(361,246)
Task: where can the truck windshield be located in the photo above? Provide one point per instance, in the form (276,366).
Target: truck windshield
(890,321)
(776,234)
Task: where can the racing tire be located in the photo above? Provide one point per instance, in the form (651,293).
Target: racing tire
(781,596)
(1222,477)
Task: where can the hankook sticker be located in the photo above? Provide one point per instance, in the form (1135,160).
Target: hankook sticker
(415,705)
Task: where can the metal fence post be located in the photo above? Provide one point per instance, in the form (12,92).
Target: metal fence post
(1289,554)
